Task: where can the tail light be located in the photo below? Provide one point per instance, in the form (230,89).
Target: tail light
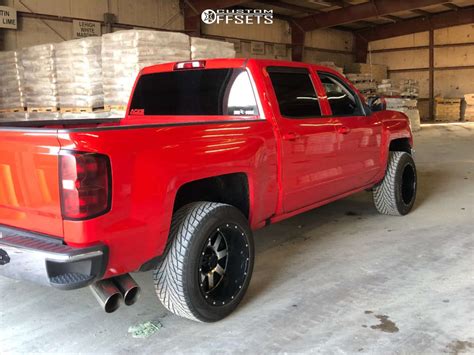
(85,184)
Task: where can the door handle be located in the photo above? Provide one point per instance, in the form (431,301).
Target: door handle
(290,136)
(343,129)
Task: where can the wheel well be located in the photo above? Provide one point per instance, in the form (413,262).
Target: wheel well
(232,189)
(400,145)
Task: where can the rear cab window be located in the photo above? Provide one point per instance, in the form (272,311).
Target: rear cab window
(202,92)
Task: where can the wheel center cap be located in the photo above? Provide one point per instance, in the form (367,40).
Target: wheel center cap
(213,261)
(209,261)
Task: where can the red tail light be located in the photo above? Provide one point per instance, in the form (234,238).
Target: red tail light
(85,184)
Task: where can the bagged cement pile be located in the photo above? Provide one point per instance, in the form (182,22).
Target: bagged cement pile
(79,73)
(202,48)
(39,71)
(409,107)
(125,53)
(11,94)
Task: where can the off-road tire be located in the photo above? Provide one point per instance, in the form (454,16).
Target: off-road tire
(396,194)
(177,280)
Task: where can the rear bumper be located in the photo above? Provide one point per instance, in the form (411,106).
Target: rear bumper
(47,261)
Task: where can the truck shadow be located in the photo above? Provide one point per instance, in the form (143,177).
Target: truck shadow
(308,229)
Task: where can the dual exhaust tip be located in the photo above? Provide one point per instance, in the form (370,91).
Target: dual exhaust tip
(111,292)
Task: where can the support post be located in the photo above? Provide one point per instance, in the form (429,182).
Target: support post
(109,20)
(361,48)
(297,42)
(431,73)
(192,19)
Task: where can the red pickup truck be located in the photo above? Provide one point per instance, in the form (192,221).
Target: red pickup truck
(208,151)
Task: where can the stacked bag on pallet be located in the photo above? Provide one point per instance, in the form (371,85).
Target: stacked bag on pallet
(202,48)
(377,72)
(468,107)
(387,87)
(363,82)
(125,53)
(409,88)
(333,66)
(11,81)
(408,107)
(79,73)
(40,80)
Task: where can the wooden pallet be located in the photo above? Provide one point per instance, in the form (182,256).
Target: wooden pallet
(80,109)
(15,109)
(115,107)
(444,101)
(42,109)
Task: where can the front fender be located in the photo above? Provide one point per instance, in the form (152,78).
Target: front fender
(395,125)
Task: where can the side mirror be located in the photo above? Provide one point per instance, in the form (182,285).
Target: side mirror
(377,103)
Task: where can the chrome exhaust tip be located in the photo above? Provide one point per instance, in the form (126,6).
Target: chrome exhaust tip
(107,294)
(128,288)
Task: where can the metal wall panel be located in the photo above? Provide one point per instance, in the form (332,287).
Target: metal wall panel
(412,40)
(277,32)
(148,13)
(330,39)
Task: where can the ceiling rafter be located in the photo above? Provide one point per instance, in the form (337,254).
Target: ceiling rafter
(451,6)
(462,16)
(421,12)
(363,11)
(292,7)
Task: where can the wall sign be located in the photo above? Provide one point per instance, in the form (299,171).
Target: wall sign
(257,47)
(279,50)
(83,29)
(8,17)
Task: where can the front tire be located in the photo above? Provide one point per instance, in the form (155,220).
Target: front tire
(209,262)
(396,194)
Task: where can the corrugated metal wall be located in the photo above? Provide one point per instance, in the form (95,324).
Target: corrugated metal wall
(31,31)
(333,41)
(453,82)
(321,45)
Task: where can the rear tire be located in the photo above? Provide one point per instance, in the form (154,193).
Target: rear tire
(209,262)
(396,194)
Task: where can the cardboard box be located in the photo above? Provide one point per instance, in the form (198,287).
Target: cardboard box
(377,71)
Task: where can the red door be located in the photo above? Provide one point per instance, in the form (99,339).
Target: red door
(358,134)
(308,140)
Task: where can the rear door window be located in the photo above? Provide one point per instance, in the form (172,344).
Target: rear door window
(209,92)
(295,92)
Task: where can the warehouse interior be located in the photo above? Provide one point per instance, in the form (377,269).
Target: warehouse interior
(337,279)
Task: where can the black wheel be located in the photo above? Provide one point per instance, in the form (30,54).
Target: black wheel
(396,194)
(209,262)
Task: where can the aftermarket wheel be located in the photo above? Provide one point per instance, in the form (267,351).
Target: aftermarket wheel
(396,194)
(209,262)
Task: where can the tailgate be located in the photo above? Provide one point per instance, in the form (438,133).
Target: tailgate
(29,179)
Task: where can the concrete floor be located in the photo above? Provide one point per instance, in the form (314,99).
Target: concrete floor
(339,279)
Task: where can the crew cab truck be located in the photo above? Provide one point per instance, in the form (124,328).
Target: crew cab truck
(208,151)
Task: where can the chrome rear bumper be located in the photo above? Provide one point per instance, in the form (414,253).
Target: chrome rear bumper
(47,261)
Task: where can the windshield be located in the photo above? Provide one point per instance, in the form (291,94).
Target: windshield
(211,92)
